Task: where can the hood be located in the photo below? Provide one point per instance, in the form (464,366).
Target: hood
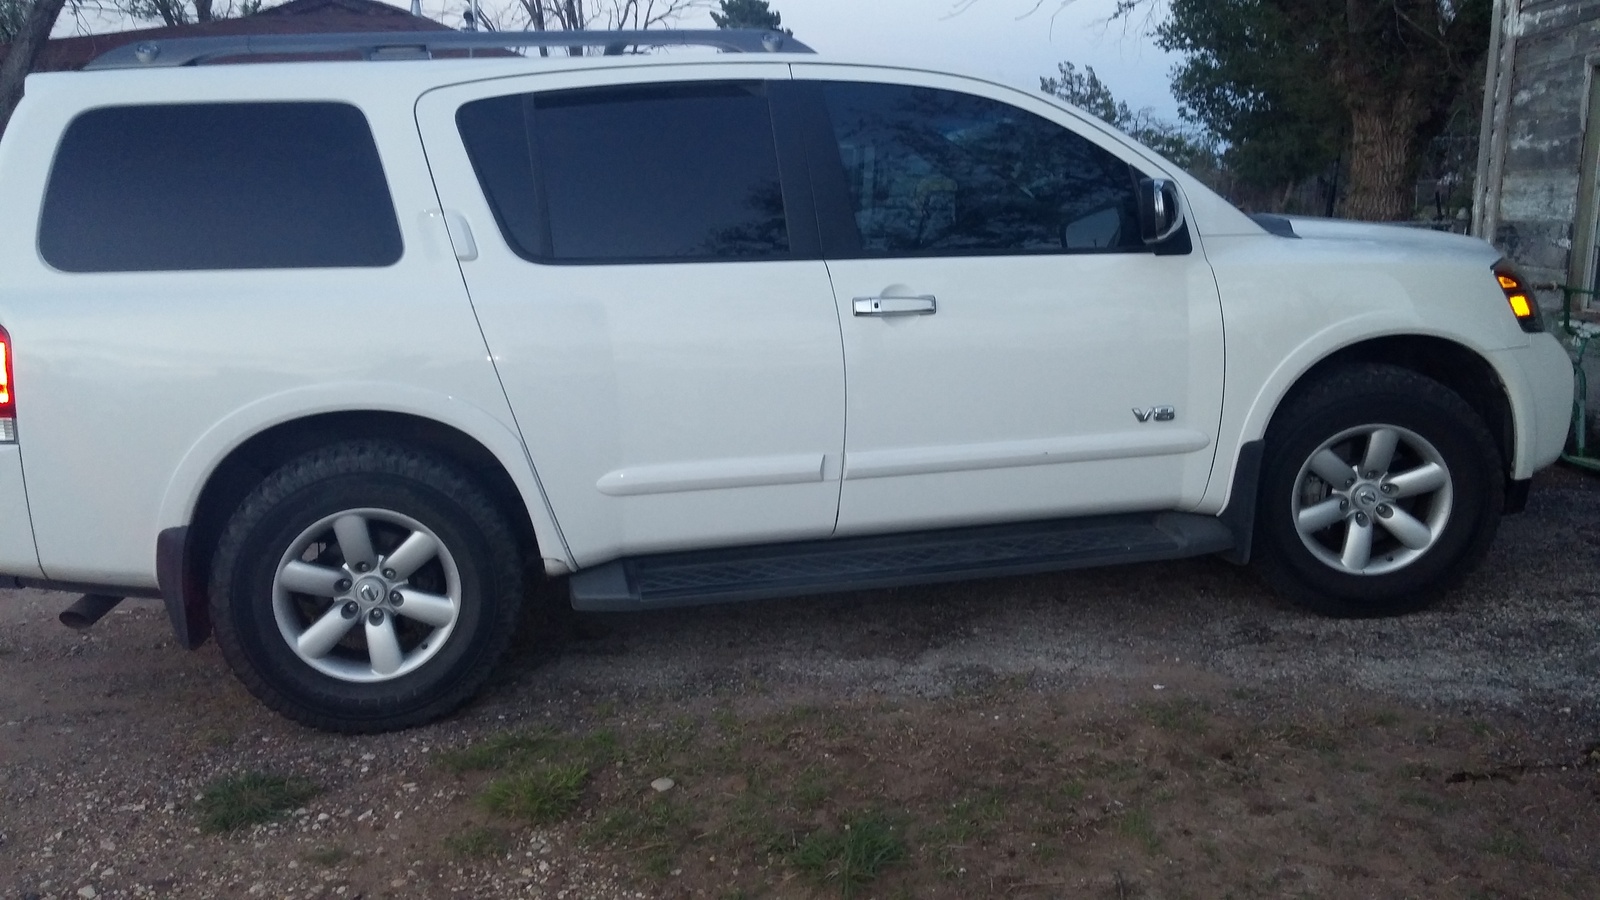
(1388,236)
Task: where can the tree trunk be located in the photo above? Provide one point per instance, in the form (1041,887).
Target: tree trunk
(24,51)
(1384,159)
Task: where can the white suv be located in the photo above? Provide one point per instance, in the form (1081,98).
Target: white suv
(331,355)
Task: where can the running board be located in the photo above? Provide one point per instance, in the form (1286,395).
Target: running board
(814,567)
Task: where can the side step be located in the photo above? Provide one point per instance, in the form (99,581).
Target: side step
(813,567)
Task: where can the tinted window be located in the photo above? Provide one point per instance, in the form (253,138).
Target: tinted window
(218,186)
(933,171)
(680,172)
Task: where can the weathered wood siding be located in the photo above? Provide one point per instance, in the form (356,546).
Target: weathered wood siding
(1535,131)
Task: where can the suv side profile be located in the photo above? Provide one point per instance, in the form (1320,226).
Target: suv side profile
(333,356)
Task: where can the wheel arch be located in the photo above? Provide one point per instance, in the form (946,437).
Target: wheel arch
(184,551)
(1458,367)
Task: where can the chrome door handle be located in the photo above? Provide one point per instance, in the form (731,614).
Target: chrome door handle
(896,306)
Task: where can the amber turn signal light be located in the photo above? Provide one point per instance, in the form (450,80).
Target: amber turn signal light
(1519,297)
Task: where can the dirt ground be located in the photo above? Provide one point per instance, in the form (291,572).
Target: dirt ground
(1146,732)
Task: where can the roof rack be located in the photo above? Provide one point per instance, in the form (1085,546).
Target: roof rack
(423,44)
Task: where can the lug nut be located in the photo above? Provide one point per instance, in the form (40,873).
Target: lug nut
(1349,483)
(1389,489)
(342,585)
(396,598)
(1344,504)
(389,574)
(362,567)
(1385,511)
(1372,475)
(349,610)
(1362,519)
(375,617)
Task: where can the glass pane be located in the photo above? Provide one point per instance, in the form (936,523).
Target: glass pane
(934,171)
(218,186)
(642,173)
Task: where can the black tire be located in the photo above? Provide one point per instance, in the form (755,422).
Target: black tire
(464,598)
(1355,413)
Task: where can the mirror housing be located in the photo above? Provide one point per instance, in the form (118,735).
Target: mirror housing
(1160,213)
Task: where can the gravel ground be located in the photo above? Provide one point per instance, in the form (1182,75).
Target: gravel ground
(108,737)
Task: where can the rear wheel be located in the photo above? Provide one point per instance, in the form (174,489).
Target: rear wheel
(365,587)
(1381,489)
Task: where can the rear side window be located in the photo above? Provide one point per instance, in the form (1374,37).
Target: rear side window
(635,174)
(218,186)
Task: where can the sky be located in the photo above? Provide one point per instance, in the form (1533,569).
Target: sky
(1014,42)
(1011,41)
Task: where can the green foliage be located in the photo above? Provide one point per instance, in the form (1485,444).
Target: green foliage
(851,857)
(1266,94)
(748,14)
(1294,87)
(251,799)
(541,796)
(514,749)
(1192,148)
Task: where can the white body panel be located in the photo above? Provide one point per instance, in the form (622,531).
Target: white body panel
(669,407)
(1017,399)
(131,387)
(17,553)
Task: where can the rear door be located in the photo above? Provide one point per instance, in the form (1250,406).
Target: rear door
(648,280)
(1013,349)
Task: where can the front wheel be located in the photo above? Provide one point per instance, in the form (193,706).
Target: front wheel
(1381,489)
(365,587)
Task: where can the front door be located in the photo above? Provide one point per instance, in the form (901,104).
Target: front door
(1013,350)
(653,302)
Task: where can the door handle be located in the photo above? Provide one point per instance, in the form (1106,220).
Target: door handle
(896,306)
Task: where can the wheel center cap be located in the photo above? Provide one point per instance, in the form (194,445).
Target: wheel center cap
(371,591)
(1366,496)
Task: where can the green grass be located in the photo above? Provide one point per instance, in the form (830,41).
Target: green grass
(851,857)
(1180,715)
(810,791)
(522,749)
(655,828)
(253,798)
(1137,824)
(1509,844)
(540,796)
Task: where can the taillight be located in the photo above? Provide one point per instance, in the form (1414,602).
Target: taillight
(1523,306)
(8,400)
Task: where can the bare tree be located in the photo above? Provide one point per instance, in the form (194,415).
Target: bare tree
(587,15)
(25,48)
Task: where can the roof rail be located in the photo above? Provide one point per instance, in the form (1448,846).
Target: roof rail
(423,44)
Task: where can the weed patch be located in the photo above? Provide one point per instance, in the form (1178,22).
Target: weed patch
(1180,715)
(523,749)
(539,796)
(851,857)
(253,798)
(1138,825)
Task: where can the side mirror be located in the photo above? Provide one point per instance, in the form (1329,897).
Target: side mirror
(1160,214)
